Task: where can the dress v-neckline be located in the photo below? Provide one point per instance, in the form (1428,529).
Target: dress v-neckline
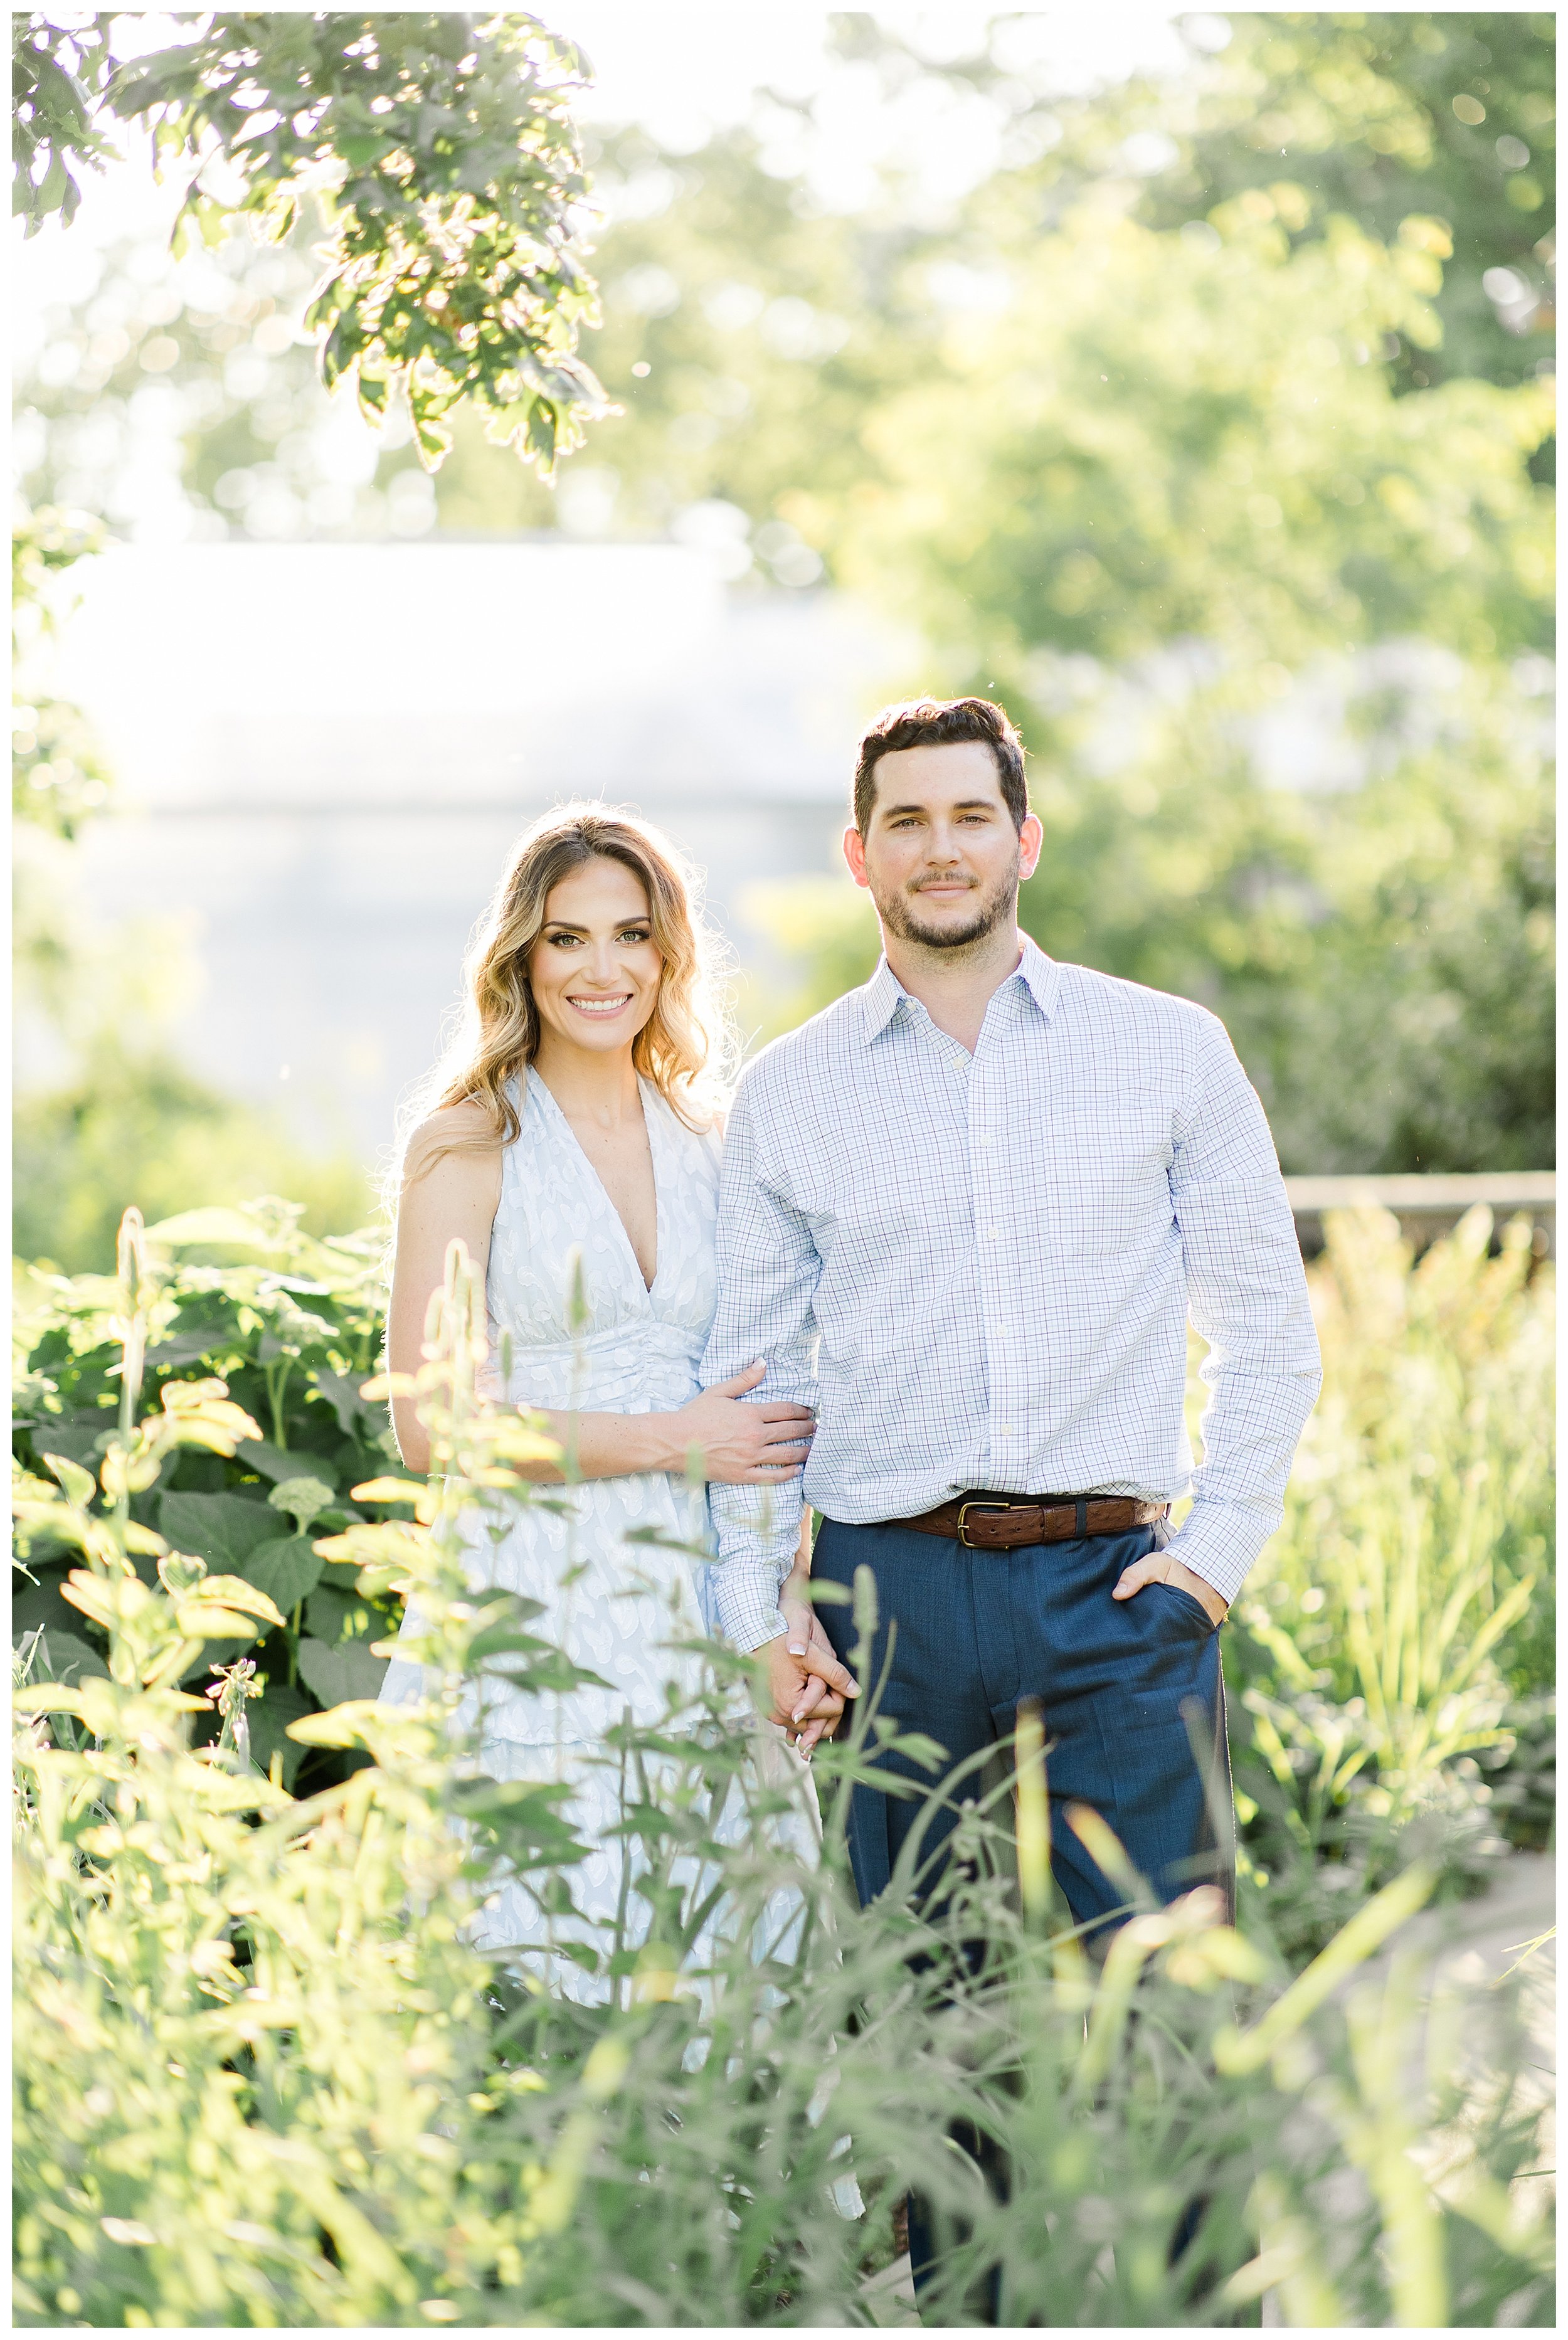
(649,1117)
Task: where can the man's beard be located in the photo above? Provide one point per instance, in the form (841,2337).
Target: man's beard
(900,916)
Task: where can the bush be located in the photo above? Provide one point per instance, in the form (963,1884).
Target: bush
(266,2077)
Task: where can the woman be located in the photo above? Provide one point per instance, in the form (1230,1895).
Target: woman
(576,1120)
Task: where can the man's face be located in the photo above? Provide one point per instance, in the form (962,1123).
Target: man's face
(940,856)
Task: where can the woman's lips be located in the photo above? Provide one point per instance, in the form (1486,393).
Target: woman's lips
(603,1009)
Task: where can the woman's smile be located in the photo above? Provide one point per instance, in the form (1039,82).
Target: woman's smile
(609,1004)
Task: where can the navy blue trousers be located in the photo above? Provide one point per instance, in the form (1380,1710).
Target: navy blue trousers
(978,1631)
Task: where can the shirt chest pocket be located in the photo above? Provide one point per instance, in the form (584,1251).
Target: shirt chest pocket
(1098,1201)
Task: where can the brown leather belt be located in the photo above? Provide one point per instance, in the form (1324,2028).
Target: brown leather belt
(998,1522)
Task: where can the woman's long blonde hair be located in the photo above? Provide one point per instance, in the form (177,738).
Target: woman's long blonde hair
(685,1048)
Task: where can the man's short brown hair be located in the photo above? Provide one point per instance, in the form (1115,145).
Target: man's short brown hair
(937,723)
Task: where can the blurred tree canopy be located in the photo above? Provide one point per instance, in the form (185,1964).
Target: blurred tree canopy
(1223,465)
(1379,115)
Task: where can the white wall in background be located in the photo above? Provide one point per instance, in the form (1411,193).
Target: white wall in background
(322,751)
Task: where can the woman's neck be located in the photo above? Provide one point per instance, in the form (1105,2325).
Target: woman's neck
(589,1085)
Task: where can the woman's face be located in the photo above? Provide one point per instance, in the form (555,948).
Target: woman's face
(595,970)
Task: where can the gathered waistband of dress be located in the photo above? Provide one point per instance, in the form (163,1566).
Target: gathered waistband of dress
(671,1339)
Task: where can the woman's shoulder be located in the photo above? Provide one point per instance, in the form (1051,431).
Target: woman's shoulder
(465,1134)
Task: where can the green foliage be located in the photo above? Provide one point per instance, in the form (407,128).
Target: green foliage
(56,773)
(57,77)
(1403,1617)
(130,1120)
(222,331)
(442,147)
(1365,110)
(292,1338)
(1161,439)
(768,336)
(264,2077)
(1267,596)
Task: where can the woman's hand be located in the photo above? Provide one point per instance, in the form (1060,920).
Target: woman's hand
(741,1445)
(818,1709)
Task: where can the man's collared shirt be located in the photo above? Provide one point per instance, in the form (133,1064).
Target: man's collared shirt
(978,1271)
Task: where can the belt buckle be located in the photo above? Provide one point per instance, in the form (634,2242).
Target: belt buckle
(979,1505)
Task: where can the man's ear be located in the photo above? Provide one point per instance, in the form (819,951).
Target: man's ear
(1031,838)
(855,855)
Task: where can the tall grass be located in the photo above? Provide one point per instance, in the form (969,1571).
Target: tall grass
(265,2078)
(1405,1603)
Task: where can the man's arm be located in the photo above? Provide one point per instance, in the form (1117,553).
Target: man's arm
(767,1272)
(1248,1296)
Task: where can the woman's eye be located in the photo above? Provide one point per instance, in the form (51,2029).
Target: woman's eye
(633,935)
(566,942)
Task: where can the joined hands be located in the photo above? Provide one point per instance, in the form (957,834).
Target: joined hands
(807,1684)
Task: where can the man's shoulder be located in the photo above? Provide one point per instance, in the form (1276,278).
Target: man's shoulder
(1114,999)
(817,1049)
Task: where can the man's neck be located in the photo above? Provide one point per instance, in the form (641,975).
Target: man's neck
(955,988)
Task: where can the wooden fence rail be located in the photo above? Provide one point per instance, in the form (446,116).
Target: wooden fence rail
(1427,1204)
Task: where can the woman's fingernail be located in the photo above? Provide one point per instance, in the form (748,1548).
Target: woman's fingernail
(797,1649)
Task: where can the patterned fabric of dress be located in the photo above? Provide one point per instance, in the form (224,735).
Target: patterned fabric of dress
(636,1353)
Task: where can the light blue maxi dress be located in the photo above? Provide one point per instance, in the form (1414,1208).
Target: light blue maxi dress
(638,1353)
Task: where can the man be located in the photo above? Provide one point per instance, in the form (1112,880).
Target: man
(966,1215)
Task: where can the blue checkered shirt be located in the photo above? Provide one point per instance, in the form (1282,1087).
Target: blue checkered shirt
(979,1270)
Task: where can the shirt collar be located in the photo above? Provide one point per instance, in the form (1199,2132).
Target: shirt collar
(884,995)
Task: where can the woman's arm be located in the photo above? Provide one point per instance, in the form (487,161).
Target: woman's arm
(455,1193)
(444,1194)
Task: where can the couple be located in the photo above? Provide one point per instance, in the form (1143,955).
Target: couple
(930,1276)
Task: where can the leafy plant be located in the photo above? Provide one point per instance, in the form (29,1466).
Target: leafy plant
(294,1337)
(265,2075)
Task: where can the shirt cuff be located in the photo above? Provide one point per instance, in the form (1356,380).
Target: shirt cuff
(746,1596)
(1220,1542)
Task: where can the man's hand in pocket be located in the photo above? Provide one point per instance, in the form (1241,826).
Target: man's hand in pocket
(1164,1568)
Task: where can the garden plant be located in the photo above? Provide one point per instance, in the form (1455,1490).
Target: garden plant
(264,2077)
